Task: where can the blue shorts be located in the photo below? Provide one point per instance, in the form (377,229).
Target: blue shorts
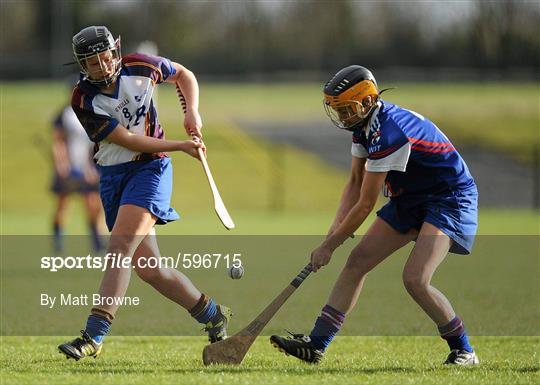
(455,214)
(146,184)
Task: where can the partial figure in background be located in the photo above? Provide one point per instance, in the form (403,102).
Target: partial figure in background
(74,173)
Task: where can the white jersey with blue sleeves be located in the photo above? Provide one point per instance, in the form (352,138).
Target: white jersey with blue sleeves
(131,106)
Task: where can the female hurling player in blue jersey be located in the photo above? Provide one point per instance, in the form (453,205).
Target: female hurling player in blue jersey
(113,102)
(433,201)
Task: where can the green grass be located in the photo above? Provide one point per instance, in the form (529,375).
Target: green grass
(497,292)
(299,197)
(501,115)
(350,360)
(495,289)
(196,221)
(244,168)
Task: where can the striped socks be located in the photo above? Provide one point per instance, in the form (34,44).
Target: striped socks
(97,327)
(205,310)
(455,335)
(326,327)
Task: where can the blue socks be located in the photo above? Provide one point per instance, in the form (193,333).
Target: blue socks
(205,310)
(326,327)
(454,333)
(58,234)
(58,231)
(97,327)
(96,241)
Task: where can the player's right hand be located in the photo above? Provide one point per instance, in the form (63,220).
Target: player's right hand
(320,257)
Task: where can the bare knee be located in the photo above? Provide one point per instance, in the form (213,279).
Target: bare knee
(416,282)
(357,265)
(121,244)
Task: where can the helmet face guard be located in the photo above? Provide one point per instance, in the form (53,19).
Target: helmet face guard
(347,114)
(350,96)
(98,55)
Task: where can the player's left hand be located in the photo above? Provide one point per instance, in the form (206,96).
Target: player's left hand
(193,124)
(320,257)
(191,147)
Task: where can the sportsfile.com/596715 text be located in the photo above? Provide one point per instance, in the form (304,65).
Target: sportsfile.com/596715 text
(113,260)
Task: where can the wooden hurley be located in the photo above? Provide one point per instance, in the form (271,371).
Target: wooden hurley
(233,349)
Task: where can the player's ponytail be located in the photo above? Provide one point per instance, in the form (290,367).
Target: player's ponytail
(386,89)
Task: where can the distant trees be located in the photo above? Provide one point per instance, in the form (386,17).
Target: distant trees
(262,37)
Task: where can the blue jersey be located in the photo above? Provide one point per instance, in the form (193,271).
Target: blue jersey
(419,158)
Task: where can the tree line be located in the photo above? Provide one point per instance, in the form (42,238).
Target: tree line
(238,38)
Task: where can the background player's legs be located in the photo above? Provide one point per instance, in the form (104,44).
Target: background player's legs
(168,281)
(58,221)
(430,250)
(93,212)
(380,241)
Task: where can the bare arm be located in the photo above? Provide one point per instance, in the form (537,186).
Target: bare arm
(60,157)
(351,193)
(369,192)
(186,83)
(139,143)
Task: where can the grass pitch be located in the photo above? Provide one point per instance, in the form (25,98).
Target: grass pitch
(245,172)
(245,168)
(350,360)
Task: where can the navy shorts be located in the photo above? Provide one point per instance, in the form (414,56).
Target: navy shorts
(74,183)
(455,214)
(146,184)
